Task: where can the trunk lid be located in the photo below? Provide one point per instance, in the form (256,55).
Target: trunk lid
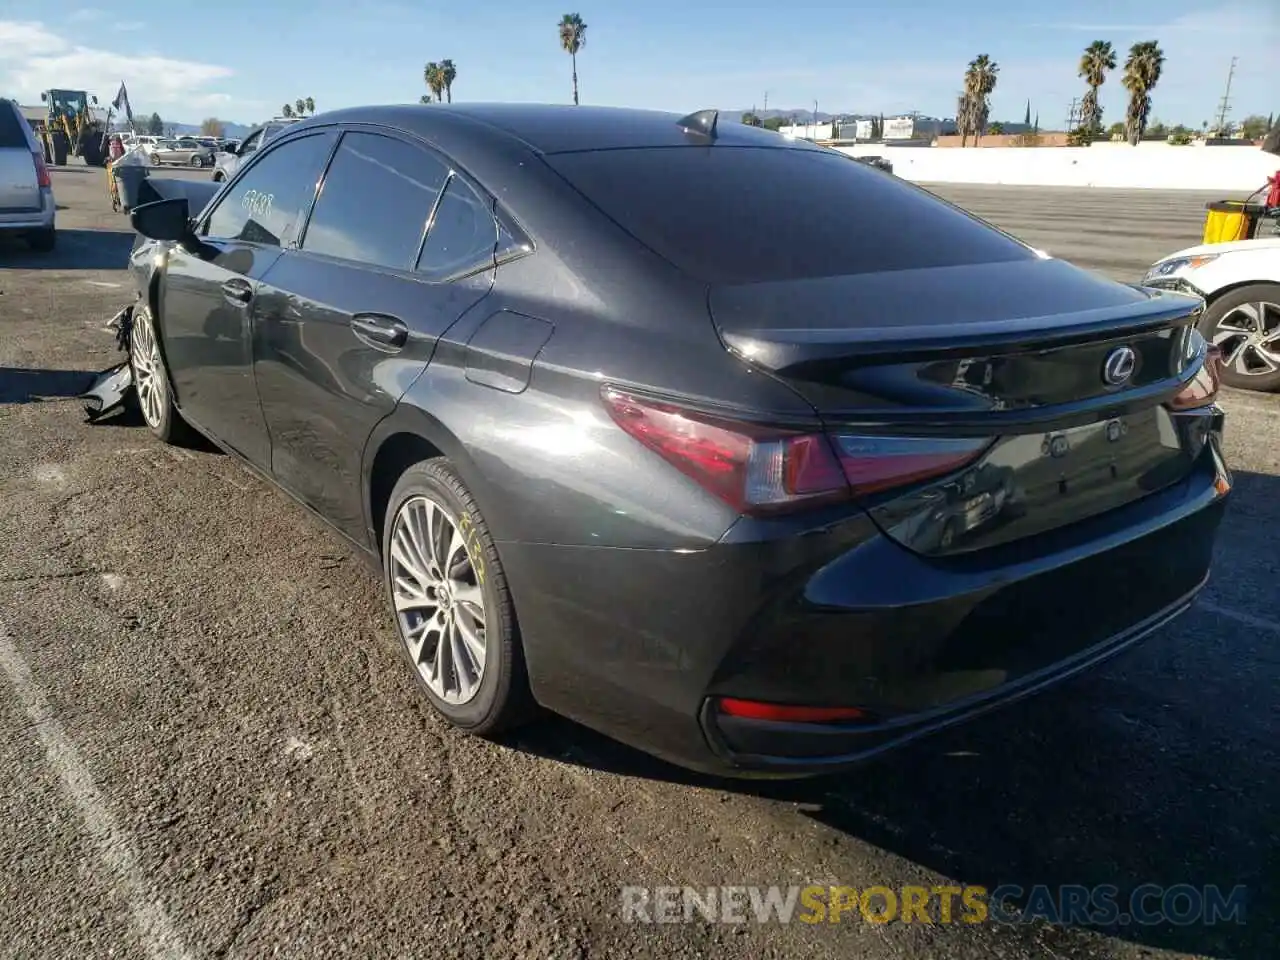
(1064,372)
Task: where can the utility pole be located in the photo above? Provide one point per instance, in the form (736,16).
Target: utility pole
(1224,105)
(766,101)
(1071,115)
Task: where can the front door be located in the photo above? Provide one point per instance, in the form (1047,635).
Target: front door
(211,286)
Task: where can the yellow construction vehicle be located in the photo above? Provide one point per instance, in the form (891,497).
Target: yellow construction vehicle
(71,129)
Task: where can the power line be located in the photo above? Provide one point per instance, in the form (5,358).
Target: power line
(1073,113)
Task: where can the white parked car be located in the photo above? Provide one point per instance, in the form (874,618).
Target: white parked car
(1240,283)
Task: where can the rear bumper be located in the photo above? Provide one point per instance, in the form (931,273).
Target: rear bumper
(640,644)
(26,220)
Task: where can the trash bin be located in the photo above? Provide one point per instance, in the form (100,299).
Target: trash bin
(130,181)
(1229,220)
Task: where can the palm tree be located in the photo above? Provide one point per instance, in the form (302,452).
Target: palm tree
(979,82)
(448,73)
(311,105)
(1098,58)
(573,37)
(1142,72)
(287,111)
(433,75)
(964,118)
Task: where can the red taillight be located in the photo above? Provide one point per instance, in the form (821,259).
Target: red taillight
(42,170)
(1203,387)
(758,469)
(782,713)
(873,463)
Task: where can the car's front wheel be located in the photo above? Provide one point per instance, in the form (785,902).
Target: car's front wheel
(449,596)
(151,380)
(1245,326)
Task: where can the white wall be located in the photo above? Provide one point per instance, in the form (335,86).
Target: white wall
(1154,165)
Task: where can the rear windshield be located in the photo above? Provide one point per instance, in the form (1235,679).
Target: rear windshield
(12,132)
(744,214)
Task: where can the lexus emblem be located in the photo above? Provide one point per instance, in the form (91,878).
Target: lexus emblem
(1119,366)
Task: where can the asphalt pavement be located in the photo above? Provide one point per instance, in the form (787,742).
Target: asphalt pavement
(209,746)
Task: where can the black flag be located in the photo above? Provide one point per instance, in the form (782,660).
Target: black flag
(121,102)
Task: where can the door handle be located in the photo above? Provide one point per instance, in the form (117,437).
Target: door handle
(237,291)
(380,330)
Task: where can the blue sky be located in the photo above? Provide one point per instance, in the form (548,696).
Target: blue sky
(242,62)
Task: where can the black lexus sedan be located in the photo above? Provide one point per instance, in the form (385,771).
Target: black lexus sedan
(736,451)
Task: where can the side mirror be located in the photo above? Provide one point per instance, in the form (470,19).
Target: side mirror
(44,97)
(95,100)
(163,220)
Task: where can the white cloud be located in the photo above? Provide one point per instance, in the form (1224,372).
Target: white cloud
(34,58)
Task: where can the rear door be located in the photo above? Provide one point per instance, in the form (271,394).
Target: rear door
(19,189)
(349,320)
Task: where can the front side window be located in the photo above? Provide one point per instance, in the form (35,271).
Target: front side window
(462,236)
(251,143)
(265,205)
(375,201)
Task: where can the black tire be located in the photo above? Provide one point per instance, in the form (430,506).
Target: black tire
(502,700)
(218,177)
(167,423)
(60,147)
(43,241)
(197,161)
(1226,307)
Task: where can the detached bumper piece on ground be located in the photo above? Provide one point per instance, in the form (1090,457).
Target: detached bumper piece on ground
(112,389)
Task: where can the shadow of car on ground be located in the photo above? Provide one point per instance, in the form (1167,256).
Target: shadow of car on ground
(76,250)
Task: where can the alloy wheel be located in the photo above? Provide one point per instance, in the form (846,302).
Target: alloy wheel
(438,600)
(148,368)
(1249,337)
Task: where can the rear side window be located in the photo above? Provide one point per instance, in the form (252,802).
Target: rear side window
(463,234)
(376,199)
(12,127)
(739,215)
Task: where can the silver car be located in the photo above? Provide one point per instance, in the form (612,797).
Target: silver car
(185,151)
(26,191)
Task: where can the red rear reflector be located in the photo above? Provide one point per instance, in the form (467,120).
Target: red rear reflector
(758,469)
(1203,387)
(42,170)
(781,713)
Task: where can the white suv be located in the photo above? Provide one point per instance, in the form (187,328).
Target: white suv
(26,191)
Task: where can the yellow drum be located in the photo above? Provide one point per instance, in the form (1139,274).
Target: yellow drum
(1230,220)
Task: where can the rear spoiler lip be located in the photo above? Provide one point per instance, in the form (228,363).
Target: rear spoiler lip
(779,349)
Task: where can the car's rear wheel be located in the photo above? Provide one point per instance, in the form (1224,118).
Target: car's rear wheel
(151,381)
(1245,325)
(197,161)
(451,604)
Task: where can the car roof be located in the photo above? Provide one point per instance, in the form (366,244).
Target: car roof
(554,128)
